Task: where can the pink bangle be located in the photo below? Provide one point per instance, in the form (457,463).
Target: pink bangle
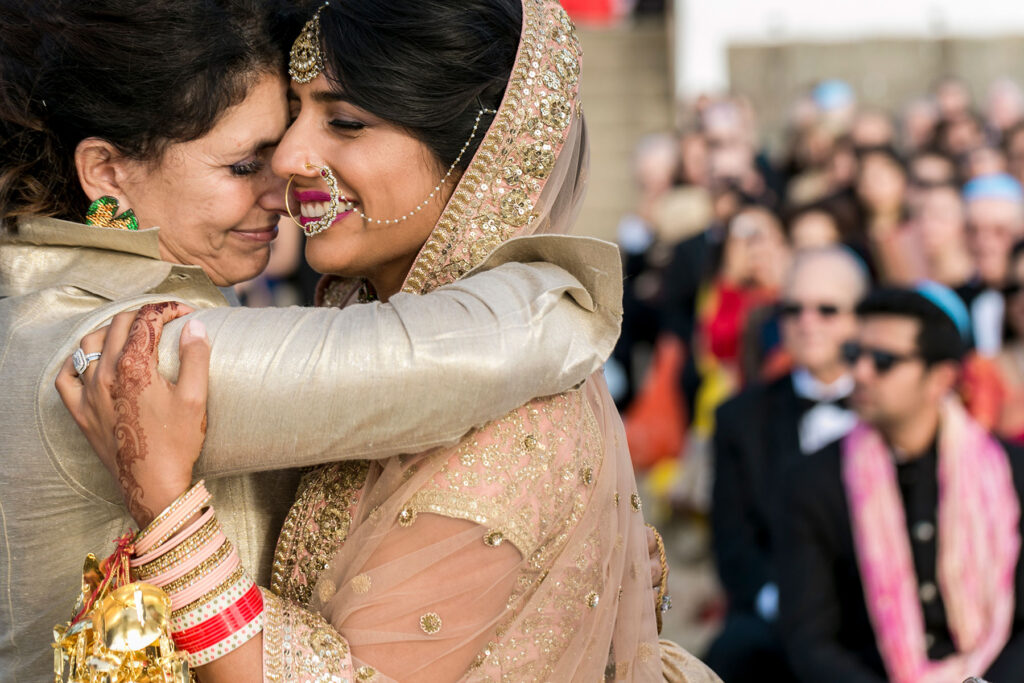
(189,595)
(206,551)
(167,547)
(225,595)
(172,518)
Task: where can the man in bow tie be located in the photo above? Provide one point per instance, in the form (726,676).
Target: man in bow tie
(759,433)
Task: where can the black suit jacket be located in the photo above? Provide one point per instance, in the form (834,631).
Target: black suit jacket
(756,438)
(822,612)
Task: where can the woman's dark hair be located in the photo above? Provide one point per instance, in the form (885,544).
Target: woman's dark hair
(140,74)
(427,66)
(938,339)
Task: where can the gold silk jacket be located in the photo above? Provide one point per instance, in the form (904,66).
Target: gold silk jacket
(289,387)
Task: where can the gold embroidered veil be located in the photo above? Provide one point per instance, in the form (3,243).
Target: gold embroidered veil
(520,553)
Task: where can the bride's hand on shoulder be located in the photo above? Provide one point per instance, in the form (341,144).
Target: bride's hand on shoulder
(147,431)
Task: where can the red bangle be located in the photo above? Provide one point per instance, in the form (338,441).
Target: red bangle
(221,625)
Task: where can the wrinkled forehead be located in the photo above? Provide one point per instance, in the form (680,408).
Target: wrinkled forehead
(826,278)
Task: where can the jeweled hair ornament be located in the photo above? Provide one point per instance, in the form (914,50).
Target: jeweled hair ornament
(306,62)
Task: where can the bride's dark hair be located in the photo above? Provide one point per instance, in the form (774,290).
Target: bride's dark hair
(425,65)
(140,74)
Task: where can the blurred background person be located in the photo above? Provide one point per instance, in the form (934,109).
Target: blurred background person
(885,576)
(1011,356)
(995,221)
(758,434)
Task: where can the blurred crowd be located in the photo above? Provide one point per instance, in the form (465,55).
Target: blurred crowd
(742,340)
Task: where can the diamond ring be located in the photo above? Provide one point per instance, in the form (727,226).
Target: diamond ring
(81,360)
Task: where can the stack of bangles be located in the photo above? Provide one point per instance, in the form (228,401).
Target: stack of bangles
(216,605)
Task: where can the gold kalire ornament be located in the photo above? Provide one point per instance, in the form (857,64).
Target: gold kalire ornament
(121,631)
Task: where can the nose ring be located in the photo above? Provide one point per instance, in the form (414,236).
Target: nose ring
(333,206)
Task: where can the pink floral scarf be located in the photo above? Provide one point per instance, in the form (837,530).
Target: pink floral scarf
(978,549)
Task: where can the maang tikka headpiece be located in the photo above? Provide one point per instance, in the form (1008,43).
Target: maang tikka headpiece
(306,62)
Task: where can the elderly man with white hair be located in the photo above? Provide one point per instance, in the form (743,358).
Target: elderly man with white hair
(759,433)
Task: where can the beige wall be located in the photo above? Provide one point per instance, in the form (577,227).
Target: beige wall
(885,72)
(626,94)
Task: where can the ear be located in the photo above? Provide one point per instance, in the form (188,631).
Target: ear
(943,378)
(100,170)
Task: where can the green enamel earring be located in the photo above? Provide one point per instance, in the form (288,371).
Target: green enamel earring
(103,214)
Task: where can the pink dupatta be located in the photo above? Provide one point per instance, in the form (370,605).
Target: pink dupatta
(978,549)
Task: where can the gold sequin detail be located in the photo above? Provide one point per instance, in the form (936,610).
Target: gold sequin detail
(406,517)
(516,208)
(587,475)
(515,159)
(635,502)
(592,599)
(326,590)
(316,527)
(361,584)
(299,645)
(430,623)
(365,673)
(538,160)
(494,538)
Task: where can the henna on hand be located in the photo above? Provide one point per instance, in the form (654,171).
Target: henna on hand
(134,375)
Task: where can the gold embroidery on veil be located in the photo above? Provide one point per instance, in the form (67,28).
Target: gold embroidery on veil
(496,197)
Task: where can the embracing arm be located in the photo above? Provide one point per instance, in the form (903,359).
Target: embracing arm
(294,387)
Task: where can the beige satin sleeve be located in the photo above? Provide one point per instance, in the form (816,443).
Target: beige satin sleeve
(299,386)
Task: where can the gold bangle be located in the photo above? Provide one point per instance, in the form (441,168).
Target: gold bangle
(661,601)
(179,554)
(213,594)
(199,572)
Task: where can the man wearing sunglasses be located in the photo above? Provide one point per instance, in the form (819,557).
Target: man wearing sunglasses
(899,546)
(758,433)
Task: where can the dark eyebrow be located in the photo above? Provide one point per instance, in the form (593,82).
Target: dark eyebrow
(330,96)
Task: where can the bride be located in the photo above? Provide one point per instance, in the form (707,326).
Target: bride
(426,138)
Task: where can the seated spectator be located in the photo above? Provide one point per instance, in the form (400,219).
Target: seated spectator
(883,575)
(939,245)
(1011,356)
(757,434)
(882,191)
(755,256)
(995,221)
(812,227)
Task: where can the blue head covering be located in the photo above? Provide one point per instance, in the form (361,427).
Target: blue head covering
(994,186)
(832,94)
(949,303)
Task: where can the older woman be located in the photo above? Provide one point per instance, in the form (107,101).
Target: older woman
(427,138)
(165,113)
